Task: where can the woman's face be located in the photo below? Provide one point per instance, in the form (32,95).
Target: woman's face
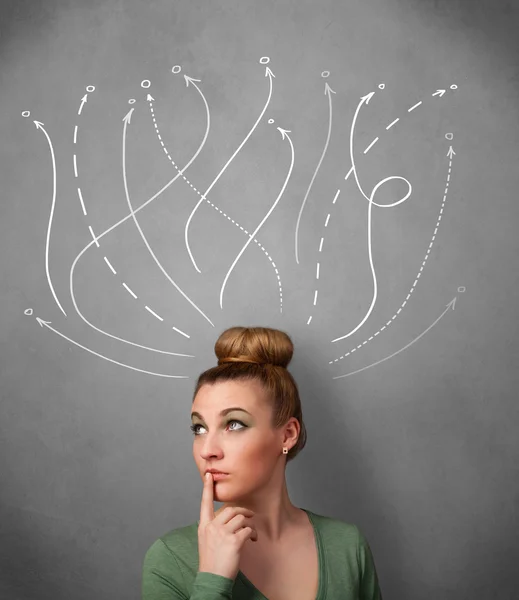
(242,444)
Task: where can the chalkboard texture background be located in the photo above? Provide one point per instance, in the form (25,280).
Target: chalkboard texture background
(344,171)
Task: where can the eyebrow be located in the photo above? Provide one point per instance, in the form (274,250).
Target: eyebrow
(222,412)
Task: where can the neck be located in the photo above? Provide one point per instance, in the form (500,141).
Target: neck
(275,515)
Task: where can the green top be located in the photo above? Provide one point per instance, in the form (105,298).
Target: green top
(346,567)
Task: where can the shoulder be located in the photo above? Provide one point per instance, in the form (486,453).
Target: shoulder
(339,533)
(170,568)
(179,541)
(347,551)
(333,526)
(170,563)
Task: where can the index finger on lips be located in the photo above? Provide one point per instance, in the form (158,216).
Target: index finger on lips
(207,504)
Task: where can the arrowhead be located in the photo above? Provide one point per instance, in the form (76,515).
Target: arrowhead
(451,152)
(85,98)
(128,117)
(284,131)
(268,72)
(150,98)
(439,93)
(452,303)
(42,322)
(328,89)
(368,97)
(189,80)
(38,124)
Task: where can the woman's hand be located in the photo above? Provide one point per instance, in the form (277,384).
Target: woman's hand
(221,536)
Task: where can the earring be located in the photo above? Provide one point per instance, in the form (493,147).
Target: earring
(285,450)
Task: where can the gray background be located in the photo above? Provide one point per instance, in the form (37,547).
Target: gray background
(420,451)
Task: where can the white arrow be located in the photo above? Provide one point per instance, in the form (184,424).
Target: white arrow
(327,90)
(451,153)
(204,195)
(128,118)
(82,316)
(125,180)
(47,324)
(271,262)
(83,102)
(364,99)
(284,134)
(451,304)
(47,243)
(370,253)
(112,228)
(191,80)
(439,93)
(417,276)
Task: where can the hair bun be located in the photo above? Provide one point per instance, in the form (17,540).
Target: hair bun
(258,345)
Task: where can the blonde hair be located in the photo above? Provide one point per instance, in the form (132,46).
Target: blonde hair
(260,354)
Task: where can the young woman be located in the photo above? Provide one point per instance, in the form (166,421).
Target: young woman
(247,422)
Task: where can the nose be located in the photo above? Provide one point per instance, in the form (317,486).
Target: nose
(211,449)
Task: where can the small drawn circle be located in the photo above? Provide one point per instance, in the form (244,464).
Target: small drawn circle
(28,312)
(271,121)
(454,86)
(381,86)
(461,289)
(176,69)
(90,88)
(449,136)
(325,74)
(131,101)
(145,83)
(264,60)
(26,113)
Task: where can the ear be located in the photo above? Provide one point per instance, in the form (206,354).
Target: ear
(292,428)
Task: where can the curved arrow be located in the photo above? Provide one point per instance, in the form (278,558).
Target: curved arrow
(451,304)
(450,154)
(327,90)
(106,232)
(365,99)
(154,197)
(193,187)
(127,119)
(208,120)
(95,241)
(284,133)
(370,251)
(97,328)
(269,74)
(47,324)
(84,100)
(47,243)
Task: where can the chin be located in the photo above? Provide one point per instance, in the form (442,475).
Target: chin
(221,494)
(232,497)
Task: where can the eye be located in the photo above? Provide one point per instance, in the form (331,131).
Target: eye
(195,425)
